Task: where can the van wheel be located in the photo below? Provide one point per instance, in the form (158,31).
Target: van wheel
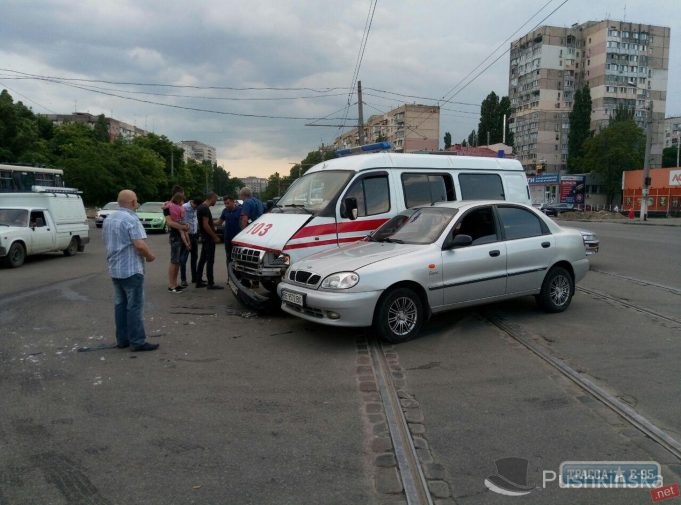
(72,248)
(16,256)
(556,290)
(399,315)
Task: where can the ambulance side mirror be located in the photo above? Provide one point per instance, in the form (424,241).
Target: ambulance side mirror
(349,208)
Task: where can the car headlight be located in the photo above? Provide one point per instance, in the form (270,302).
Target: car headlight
(587,236)
(340,280)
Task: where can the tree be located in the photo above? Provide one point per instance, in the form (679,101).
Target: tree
(580,129)
(670,157)
(276,185)
(20,133)
(489,131)
(619,147)
(491,126)
(172,158)
(622,113)
(473,139)
(448,140)
(101,129)
(505,109)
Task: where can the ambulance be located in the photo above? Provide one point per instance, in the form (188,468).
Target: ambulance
(344,199)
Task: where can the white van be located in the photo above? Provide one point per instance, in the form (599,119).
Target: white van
(318,210)
(43,221)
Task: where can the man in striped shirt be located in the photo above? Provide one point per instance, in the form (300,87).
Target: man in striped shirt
(126,252)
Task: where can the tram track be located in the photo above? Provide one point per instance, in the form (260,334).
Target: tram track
(415,486)
(627,304)
(639,282)
(411,473)
(625,411)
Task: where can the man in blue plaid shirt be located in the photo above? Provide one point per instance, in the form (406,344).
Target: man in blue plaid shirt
(126,252)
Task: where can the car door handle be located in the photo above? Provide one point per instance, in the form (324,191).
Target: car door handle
(546,245)
(494,253)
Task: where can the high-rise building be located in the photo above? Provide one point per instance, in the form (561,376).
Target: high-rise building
(257,184)
(622,63)
(410,128)
(198,151)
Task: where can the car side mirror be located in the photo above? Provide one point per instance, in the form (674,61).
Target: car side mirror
(349,208)
(460,240)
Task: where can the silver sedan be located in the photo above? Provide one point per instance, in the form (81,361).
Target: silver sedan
(431,259)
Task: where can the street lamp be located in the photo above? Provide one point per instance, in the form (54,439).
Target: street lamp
(645,187)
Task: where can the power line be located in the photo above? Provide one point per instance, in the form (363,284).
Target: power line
(504,53)
(501,44)
(415,96)
(195,109)
(195,97)
(165,85)
(27,98)
(360,55)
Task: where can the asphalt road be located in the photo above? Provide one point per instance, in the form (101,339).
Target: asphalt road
(245,408)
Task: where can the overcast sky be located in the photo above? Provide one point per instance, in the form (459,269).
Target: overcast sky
(247,77)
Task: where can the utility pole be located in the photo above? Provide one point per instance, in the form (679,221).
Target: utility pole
(645,188)
(360,120)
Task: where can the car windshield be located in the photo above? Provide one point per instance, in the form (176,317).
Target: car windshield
(415,226)
(314,191)
(13,217)
(156,207)
(111,206)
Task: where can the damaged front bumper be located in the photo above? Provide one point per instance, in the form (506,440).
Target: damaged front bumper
(255,298)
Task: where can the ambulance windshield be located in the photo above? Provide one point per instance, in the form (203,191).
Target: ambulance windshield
(314,191)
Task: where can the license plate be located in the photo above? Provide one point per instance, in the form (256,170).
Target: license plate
(293,298)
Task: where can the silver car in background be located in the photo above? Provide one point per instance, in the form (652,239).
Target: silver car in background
(104,212)
(431,259)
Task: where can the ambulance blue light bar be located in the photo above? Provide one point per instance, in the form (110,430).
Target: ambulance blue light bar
(366,148)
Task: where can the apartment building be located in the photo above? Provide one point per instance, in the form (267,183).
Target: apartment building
(257,184)
(623,63)
(117,129)
(198,151)
(672,131)
(410,128)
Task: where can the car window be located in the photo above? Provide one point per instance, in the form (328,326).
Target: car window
(372,194)
(416,226)
(13,217)
(481,187)
(37,219)
(479,224)
(519,223)
(424,189)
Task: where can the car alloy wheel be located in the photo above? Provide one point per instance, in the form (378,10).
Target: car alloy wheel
(557,290)
(399,315)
